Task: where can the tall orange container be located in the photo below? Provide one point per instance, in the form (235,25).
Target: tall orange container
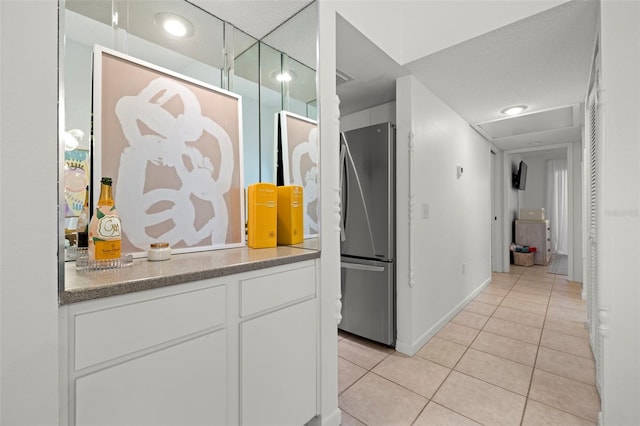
(262,215)
(290,225)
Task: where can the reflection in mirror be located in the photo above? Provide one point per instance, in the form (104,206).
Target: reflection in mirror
(288,59)
(245,83)
(289,51)
(271,103)
(137,28)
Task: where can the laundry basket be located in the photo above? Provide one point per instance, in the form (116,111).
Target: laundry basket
(522,259)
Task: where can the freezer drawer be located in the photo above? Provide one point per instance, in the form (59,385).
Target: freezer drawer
(368,299)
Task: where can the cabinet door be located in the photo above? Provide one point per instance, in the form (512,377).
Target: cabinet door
(278,367)
(179,385)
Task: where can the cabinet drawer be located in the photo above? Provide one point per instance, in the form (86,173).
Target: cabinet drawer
(109,333)
(270,291)
(179,385)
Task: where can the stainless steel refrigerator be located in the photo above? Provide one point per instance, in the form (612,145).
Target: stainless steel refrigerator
(368,246)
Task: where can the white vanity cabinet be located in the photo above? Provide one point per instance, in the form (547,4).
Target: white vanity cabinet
(278,349)
(239,349)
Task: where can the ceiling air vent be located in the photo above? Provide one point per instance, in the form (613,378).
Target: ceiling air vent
(342,77)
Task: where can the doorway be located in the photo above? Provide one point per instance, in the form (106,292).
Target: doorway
(535,197)
(496,202)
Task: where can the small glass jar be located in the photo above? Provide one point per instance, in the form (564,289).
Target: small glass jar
(159,251)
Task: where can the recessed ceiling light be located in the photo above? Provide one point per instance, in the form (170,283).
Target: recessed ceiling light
(174,25)
(284,76)
(514,110)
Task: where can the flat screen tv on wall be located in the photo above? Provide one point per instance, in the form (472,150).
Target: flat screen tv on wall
(520,178)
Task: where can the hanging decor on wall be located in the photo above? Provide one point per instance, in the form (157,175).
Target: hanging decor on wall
(173,147)
(76,179)
(297,159)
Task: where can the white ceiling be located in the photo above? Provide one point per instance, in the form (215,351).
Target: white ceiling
(372,71)
(255,17)
(542,61)
(269,19)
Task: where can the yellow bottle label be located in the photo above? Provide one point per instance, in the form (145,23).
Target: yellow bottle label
(105,233)
(107,249)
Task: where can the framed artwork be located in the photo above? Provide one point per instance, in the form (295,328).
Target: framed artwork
(76,178)
(298,155)
(173,148)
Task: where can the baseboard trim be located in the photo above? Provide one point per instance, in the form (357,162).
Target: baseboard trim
(412,347)
(333,419)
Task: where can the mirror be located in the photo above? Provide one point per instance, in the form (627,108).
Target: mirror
(296,39)
(290,48)
(135,28)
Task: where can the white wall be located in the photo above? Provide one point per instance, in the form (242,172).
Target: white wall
(28,222)
(534,196)
(450,257)
(619,226)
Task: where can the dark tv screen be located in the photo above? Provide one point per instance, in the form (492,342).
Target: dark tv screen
(520,179)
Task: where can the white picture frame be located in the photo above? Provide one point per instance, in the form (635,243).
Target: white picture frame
(299,145)
(173,148)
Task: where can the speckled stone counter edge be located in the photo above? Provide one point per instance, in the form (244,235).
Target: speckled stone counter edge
(145,275)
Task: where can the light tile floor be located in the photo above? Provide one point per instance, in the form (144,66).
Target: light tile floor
(518,354)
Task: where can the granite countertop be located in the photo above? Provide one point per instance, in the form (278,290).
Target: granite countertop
(181,268)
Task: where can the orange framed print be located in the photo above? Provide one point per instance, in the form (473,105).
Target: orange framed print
(299,152)
(173,148)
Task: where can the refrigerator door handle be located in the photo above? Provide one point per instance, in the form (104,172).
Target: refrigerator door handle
(362,267)
(349,159)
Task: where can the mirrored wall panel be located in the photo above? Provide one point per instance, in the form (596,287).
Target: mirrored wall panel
(271,75)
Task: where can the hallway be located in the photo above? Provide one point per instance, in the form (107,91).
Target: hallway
(518,354)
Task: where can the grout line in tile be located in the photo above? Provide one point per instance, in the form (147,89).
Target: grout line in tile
(501,357)
(402,386)
(533,369)
(454,369)
(573,414)
(520,276)
(489,383)
(421,411)
(360,420)
(560,409)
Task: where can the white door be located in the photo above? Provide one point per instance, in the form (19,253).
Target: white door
(496,249)
(593,299)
